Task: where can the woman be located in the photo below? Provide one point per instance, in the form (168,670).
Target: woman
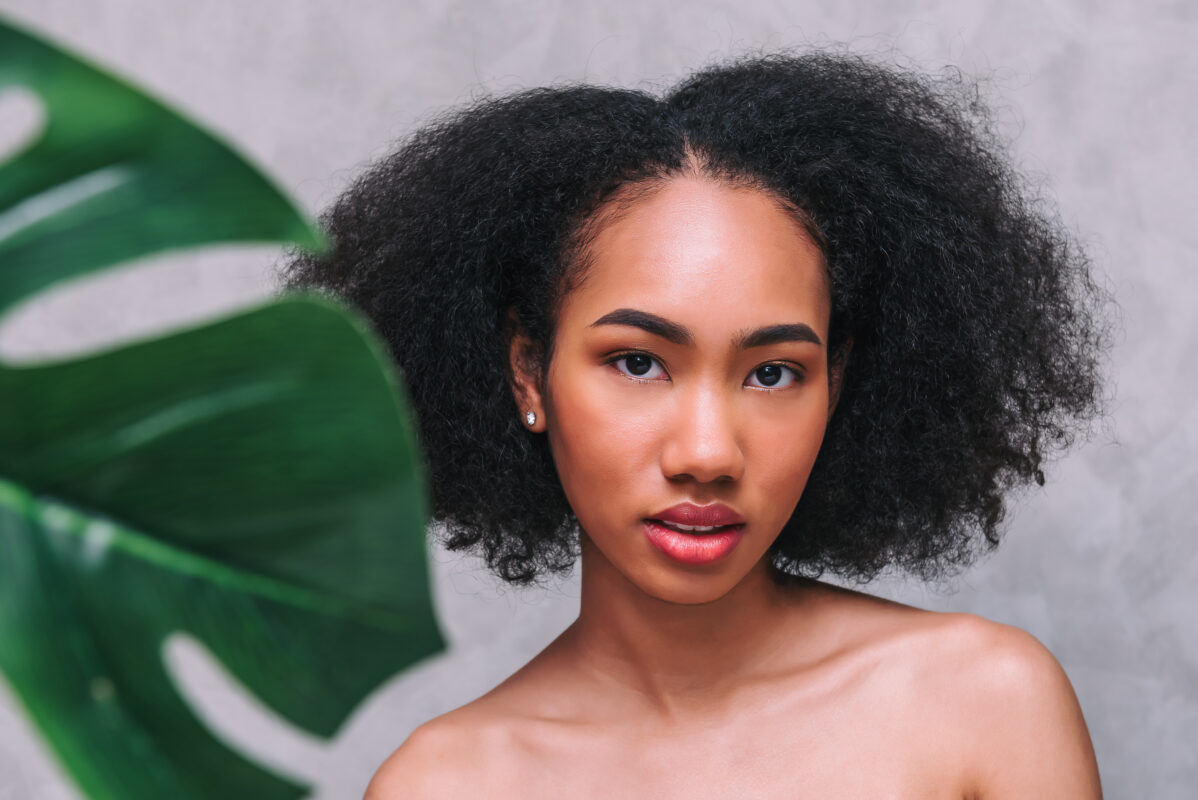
(796,316)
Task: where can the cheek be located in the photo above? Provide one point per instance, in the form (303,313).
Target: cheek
(603,447)
(781,450)
(592,436)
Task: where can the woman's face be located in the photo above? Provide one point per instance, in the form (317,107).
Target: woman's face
(690,368)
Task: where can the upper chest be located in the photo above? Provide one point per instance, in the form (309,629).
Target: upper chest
(858,745)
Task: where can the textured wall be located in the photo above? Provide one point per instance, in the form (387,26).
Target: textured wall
(1100,98)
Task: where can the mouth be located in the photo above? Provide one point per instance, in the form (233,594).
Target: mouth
(693,529)
(693,544)
(690,518)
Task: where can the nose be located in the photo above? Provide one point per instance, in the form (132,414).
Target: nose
(703,442)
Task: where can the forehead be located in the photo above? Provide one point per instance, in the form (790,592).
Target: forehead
(706,253)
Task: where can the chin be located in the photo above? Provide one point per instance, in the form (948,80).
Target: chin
(689,589)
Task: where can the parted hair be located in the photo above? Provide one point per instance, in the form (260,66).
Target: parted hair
(978,331)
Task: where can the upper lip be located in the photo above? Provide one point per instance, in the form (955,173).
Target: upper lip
(713,515)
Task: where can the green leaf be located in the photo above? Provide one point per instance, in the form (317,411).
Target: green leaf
(274,466)
(253,482)
(115,175)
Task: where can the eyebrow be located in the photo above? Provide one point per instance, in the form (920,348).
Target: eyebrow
(773,334)
(681,335)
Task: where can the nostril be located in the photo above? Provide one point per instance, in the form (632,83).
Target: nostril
(22,120)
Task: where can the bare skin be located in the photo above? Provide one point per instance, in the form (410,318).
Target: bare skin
(711,681)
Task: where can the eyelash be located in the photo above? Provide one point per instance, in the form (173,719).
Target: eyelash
(794,371)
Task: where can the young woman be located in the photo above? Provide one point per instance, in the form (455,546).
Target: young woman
(798,316)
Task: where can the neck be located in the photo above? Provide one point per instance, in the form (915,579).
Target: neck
(679,657)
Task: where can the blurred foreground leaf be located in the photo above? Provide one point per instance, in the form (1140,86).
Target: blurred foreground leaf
(115,175)
(254,482)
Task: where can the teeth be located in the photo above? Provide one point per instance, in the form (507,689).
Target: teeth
(678,526)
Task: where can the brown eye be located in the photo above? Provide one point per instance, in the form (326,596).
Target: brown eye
(772,376)
(640,366)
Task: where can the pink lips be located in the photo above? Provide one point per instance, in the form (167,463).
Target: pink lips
(702,547)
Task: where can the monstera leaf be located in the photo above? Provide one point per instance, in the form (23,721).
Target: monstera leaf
(254,482)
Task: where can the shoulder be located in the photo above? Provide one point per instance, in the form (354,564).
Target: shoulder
(994,669)
(493,741)
(1010,706)
(986,665)
(423,766)
(981,699)
(443,758)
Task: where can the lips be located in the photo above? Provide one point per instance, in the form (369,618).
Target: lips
(690,518)
(690,548)
(695,535)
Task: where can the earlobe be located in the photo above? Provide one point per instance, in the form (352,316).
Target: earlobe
(524,362)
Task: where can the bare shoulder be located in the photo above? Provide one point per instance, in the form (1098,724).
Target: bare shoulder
(1013,707)
(483,743)
(440,759)
(421,766)
(986,700)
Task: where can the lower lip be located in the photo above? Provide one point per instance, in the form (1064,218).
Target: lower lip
(690,548)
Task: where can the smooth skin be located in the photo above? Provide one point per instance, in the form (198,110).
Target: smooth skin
(684,681)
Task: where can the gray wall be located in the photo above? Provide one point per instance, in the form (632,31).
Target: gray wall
(1102,98)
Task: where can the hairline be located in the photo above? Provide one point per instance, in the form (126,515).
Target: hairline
(577,255)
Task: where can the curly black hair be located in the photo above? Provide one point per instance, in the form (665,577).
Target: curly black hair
(978,332)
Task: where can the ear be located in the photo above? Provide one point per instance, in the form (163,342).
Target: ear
(837,363)
(524,368)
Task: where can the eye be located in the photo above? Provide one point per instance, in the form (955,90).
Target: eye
(639,366)
(772,376)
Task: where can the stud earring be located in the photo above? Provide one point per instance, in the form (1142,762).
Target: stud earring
(530,418)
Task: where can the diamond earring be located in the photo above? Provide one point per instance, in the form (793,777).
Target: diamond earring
(530,418)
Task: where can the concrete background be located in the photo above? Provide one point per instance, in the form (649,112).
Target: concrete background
(1101,99)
